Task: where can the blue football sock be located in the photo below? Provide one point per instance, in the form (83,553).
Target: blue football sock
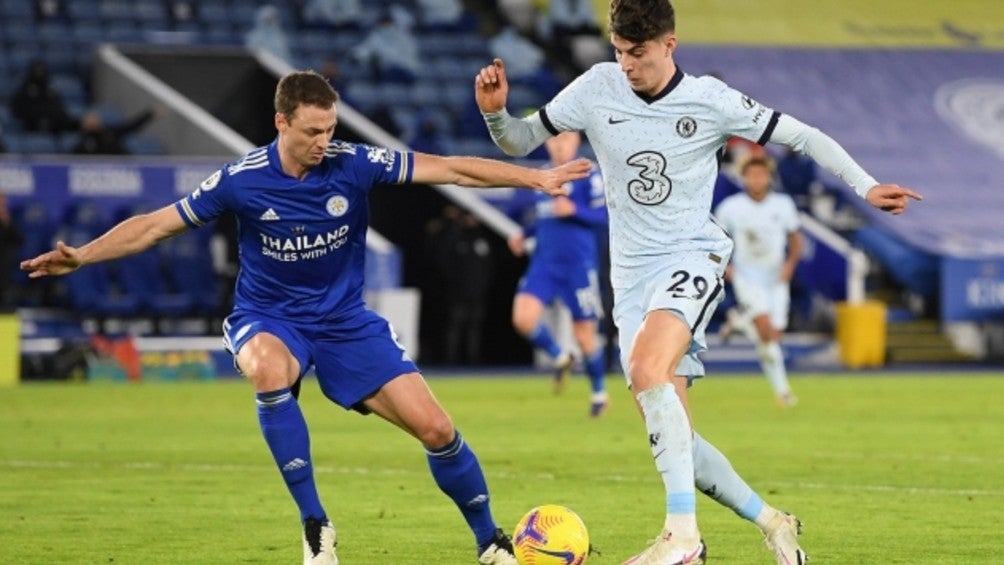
(541,338)
(458,474)
(286,434)
(596,368)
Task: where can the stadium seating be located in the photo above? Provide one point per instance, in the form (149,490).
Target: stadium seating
(892,110)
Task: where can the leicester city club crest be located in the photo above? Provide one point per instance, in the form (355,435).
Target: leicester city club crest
(337,206)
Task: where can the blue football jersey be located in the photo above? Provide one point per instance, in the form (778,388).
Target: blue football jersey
(301,243)
(570,240)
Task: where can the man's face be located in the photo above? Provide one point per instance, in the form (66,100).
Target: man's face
(647,65)
(756,179)
(304,135)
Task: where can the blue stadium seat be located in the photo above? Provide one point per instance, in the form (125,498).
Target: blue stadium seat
(143,145)
(121,31)
(213,13)
(30,142)
(221,34)
(68,85)
(151,12)
(142,278)
(365,94)
(16,8)
(63,59)
(83,10)
(190,270)
(91,290)
(117,11)
(88,31)
(17,32)
(55,32)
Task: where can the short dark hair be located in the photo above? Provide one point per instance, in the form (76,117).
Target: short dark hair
(303,88)
(641,20)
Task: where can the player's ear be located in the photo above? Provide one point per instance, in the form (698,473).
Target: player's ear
(669,40)
(280,122)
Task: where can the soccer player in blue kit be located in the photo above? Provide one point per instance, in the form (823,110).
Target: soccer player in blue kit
(301,204)
(656,132)
(564,264)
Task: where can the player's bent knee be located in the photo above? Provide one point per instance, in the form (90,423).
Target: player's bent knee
(646,374)
(437,433)
(523,323)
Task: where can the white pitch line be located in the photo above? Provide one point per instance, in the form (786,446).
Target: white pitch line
(965,459)
(327,470)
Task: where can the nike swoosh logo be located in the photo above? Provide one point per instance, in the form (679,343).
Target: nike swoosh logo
(612,121)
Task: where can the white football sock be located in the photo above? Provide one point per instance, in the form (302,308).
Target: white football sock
(772,363)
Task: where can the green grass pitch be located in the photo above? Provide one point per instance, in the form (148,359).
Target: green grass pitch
(881,469)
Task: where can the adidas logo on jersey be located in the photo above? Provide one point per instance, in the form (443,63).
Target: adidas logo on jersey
(269,216)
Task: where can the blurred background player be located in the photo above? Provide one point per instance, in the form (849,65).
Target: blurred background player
(563,265)
(763,224)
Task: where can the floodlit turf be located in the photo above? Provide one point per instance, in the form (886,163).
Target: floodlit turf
(882,469)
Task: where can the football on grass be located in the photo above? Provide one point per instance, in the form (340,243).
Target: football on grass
(551,535)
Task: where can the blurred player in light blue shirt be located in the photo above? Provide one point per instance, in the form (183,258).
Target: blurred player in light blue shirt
(764,227)
(563,265)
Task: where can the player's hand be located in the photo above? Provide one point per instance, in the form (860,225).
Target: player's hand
(516,245)
(891,197)
(563,207)
(554,180)
(60,261)
(491,88)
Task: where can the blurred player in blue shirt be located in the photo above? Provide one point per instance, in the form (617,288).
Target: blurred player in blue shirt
(301,205)
(563,265)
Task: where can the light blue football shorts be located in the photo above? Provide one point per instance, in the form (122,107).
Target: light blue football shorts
(757,298)
(689,289)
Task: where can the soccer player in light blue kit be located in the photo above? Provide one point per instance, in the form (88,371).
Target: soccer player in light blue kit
(301,204)
(564,265)
(768,245)
(656,132)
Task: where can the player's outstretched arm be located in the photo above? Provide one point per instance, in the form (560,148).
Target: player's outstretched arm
(891,197)
(483,173)
(491,88)
(131,236)
(834,158)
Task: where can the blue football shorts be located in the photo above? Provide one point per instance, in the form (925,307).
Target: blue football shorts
(689,289)
(352,358)
(578,286)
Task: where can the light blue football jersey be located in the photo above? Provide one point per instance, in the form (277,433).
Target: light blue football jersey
(760,230)
(658,156)
(302,243)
